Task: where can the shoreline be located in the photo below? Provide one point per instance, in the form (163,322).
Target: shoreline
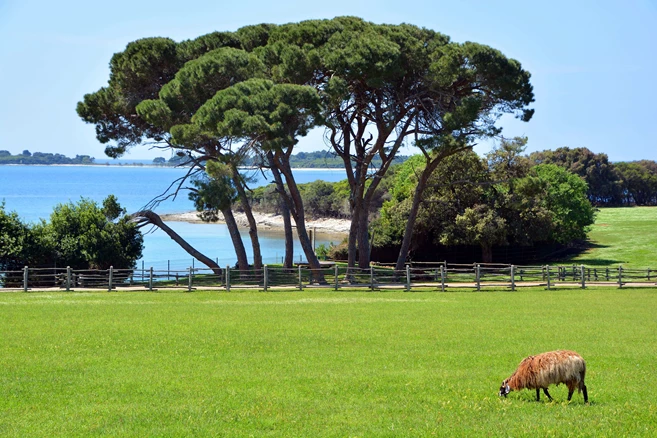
(267,221)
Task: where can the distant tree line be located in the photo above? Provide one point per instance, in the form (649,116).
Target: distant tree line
(301,160)
(26,157)
(609,184)
(323,160)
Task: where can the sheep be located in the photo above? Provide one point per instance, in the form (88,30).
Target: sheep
(540,371)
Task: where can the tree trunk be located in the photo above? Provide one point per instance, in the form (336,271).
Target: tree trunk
(487,253)
(412,216)
(146,217)
(364,239)
(233,230)
(352,254)
(285,212)
(431,165)
(296,209)
(253,227)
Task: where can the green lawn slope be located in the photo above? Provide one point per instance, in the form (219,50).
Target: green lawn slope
(623,236)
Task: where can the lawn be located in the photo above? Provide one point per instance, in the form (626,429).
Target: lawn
(321,363)
(623,236)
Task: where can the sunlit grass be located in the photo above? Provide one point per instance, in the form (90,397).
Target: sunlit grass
(320,363)
(623,236)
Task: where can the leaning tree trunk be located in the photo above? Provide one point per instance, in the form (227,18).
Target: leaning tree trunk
(233,230)
(296,209)
(253,228)
(412,216)
(285,212)
(148,217)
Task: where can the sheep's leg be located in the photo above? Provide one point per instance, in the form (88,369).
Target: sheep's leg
(547,393)
(538,394)
(570,393)
(586,394)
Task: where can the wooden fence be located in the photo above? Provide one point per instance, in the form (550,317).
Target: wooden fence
(417,276)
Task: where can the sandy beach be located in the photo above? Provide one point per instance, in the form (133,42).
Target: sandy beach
(269,221)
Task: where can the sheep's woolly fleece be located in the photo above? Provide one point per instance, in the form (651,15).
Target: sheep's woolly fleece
(544,369)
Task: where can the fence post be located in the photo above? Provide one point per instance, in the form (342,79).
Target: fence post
(442,278)
(582,273)
(150,279)
(335,268)
(189,279)
(264,274)
(68,278)
(111,278)
(620,276)
(547,269)
(648,274)
(371,278)
(227,278)
(513,277)
(408,278)
(300,280)
(477,276)
(25,279)
(168,269)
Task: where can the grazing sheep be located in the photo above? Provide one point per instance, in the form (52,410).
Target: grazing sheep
(540,371)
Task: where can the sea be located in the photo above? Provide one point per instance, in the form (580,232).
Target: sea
(33,191)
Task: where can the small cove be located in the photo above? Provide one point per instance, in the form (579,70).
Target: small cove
(33,191)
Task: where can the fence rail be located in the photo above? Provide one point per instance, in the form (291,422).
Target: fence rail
(432,276)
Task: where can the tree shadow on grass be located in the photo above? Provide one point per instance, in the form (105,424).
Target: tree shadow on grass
(598,262)
(567,258)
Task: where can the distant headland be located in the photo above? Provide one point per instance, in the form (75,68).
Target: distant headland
(26,157)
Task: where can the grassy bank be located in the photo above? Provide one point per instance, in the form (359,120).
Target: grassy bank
(623,236)
(320,363)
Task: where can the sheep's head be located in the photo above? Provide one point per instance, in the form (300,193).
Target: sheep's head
(504,389)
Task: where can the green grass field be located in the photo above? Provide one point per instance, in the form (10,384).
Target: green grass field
(321,363)
(623,236)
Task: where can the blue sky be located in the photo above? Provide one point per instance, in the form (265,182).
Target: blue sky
(592,62)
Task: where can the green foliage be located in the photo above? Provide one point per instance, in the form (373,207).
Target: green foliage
(320,199)
(602,177)
(488,202)
(639,182)
(20,243)
(317,363)
(81,235)
(565,197)
(84,235)
(257,109)
(323,250)
(214,191)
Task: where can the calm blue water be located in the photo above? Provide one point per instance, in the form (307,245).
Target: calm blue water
(33,191)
